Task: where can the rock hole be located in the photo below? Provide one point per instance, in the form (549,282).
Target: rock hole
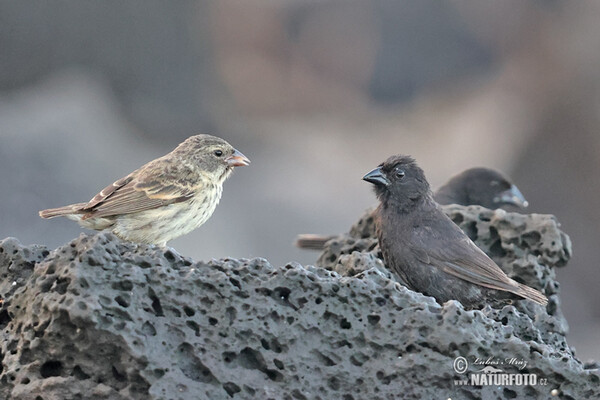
(278,363)
(373,319)
(358,359)
(51,368)
(333,383)
(4,319)
(470,230)
(265,344)
(120,377)
(213,321)
(496,249)
(231,388)
(122,302)
(189,311)
(235,283)
(79,374)
(282,293)
(458,218)
(530,239)
(273,375)
(191,366)
(325,360)
(148,329)
(194,326)
(123,285)
(62,284)
(169,255)
(345,324)
(252,359)
(158,311)
(296,394)
(231,314)
(229,356)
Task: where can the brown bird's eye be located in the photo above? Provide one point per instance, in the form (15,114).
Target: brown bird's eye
(399,173)
(218,153)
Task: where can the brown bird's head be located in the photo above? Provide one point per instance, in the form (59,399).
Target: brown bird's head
(400,180)
(212,154)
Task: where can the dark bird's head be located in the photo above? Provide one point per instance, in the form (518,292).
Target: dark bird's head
(211,154)
(399,180)
(481,186)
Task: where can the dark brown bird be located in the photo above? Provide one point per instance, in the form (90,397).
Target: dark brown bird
(426,249)
(485,187)
(165,198)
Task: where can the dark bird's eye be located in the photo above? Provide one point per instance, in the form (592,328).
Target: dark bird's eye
(399,173)
(218,153)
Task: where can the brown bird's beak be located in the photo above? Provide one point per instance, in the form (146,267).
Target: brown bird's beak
(237,159)
(512,196)
(376,177)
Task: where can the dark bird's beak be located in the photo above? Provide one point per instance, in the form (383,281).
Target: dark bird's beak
(512,196)
(376,177)
(237,159)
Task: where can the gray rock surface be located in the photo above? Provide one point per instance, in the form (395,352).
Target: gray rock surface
(102,319)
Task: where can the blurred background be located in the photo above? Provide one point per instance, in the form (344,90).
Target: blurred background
(315,93)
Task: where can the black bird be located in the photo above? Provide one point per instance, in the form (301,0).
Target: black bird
(481,186)
(426,249)
(475,186)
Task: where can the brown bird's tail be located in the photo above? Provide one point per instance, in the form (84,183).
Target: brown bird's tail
(531,294)
(62,211)
(312,241)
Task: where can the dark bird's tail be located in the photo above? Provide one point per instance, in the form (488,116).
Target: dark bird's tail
(312,241)
(531,294)
(62,211)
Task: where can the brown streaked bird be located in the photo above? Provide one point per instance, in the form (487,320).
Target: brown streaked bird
(485,187)
(165,198)
(426,249)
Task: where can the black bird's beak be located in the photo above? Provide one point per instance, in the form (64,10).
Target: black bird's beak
(376,177)
(512,196)
(237,159)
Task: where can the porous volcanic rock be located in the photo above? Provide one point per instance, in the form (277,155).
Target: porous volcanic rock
(99,318)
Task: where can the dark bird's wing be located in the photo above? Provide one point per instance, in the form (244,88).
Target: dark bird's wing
(443,245)
(313,241)
(464,260)
(147,188)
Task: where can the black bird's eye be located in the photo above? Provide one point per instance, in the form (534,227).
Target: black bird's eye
(218,153)
(399,173)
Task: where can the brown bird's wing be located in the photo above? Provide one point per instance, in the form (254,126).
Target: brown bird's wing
(145,189)
(466,261)
(455,254)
